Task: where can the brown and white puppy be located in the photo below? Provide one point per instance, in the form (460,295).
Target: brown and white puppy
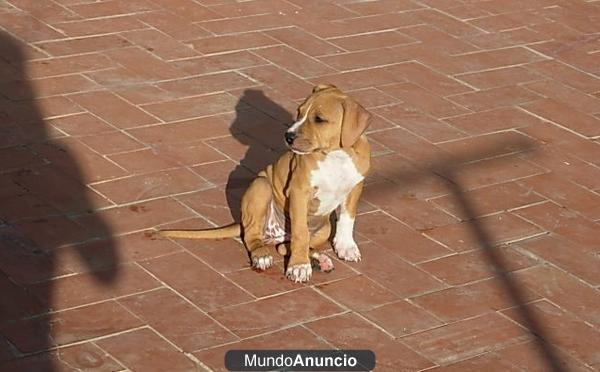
(292,199)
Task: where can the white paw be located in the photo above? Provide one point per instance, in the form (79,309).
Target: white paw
(299,273)
(322,262)
(263,262)
(346,249)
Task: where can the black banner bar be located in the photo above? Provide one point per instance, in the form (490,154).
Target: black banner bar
(300,360)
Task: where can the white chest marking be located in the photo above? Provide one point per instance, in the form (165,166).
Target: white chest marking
(334,178)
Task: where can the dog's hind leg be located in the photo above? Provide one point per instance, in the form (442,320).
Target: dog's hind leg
(255,204)
(317,239)
(320,236)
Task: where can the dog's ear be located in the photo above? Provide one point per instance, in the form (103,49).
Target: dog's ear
(321,87)
(356,120)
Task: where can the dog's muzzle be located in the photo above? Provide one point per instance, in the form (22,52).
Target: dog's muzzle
(290,137)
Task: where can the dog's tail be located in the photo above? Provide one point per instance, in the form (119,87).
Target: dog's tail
(230,231)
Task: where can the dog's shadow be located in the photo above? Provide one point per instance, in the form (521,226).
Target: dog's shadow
(260,124)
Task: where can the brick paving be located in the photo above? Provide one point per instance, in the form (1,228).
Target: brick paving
(120,117)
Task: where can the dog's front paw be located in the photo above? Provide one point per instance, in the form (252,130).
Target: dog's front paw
(299,273)
(262,262)
(347,249)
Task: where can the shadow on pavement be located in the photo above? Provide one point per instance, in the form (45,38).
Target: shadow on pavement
(42,190)
(447,170)
(260,125)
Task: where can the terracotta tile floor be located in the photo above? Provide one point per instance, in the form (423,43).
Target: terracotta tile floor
(478,226)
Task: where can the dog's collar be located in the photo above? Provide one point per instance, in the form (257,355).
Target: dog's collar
(300,152)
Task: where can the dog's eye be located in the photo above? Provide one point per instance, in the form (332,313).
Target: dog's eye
(319,119)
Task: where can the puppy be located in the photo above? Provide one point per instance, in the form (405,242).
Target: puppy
(290,202)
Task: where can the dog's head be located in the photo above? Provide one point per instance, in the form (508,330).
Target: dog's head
(328,119)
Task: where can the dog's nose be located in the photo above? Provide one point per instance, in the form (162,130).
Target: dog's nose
(289,137)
